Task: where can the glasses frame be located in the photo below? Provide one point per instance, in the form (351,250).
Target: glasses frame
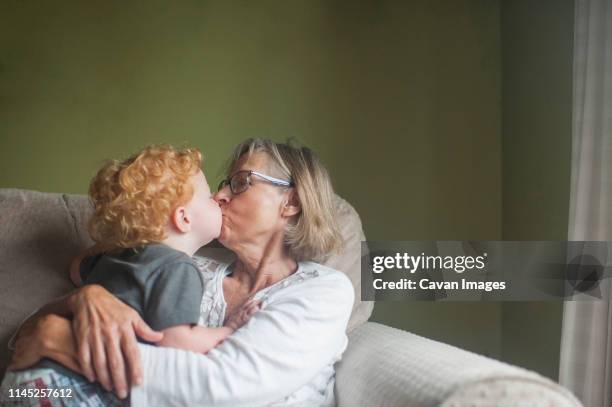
(270,179)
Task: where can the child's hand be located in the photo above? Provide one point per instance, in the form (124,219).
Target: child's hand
(243,314)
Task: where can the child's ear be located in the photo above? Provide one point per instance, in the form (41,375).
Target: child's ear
(180,220)
(291,206)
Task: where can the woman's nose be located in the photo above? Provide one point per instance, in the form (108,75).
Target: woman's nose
(222,197)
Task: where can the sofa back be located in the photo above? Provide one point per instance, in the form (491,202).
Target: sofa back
(40,233)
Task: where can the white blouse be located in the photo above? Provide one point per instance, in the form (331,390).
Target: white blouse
(284,355)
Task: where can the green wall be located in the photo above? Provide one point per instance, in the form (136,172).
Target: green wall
(537,38)
(425,148)
(402,100)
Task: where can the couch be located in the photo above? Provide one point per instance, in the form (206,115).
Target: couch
(383,366)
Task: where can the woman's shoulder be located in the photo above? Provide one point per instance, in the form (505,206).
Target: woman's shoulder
(325,277)
(317,289)
(323,271)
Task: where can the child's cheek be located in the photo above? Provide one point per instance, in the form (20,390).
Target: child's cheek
(213,219)
(216,218)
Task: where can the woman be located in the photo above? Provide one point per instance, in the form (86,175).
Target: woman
(277,217)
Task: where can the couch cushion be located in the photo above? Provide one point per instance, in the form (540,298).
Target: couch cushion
(384,366)
(41,232)
(348,260)
(38,238)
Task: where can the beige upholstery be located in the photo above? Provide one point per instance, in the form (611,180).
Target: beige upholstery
(41,232)
(38,238)
(385,366)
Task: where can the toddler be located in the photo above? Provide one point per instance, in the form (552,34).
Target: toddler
(152,212)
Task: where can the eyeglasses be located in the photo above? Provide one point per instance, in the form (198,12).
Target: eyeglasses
(241,181)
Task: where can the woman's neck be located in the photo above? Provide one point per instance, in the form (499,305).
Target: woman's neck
(256,268)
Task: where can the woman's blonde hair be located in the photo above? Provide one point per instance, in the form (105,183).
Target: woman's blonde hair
(314,233)
(134,199)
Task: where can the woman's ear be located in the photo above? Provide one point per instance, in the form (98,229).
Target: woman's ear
(292,204)
(180,220)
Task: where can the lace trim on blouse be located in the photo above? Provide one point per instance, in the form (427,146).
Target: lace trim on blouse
(213,306)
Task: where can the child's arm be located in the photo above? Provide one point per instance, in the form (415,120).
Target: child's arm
(75,266)
(194,338)
(202,339)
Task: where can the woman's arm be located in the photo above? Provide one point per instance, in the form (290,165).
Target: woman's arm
(105,331)
(46,336)
(59,307)
(299,332)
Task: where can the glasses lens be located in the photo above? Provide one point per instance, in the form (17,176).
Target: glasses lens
(239,182)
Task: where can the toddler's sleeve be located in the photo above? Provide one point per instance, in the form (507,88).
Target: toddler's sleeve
(173,296)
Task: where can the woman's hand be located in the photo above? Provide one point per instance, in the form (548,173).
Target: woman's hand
(45,336)
(242,314)
(105,331)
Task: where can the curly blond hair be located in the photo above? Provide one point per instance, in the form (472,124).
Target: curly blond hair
(133,199)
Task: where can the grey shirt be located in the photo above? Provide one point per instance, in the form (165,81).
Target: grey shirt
(162,284)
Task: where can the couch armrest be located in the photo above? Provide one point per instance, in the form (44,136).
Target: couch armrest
(384,366)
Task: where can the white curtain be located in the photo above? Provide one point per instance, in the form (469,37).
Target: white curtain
(586,340)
